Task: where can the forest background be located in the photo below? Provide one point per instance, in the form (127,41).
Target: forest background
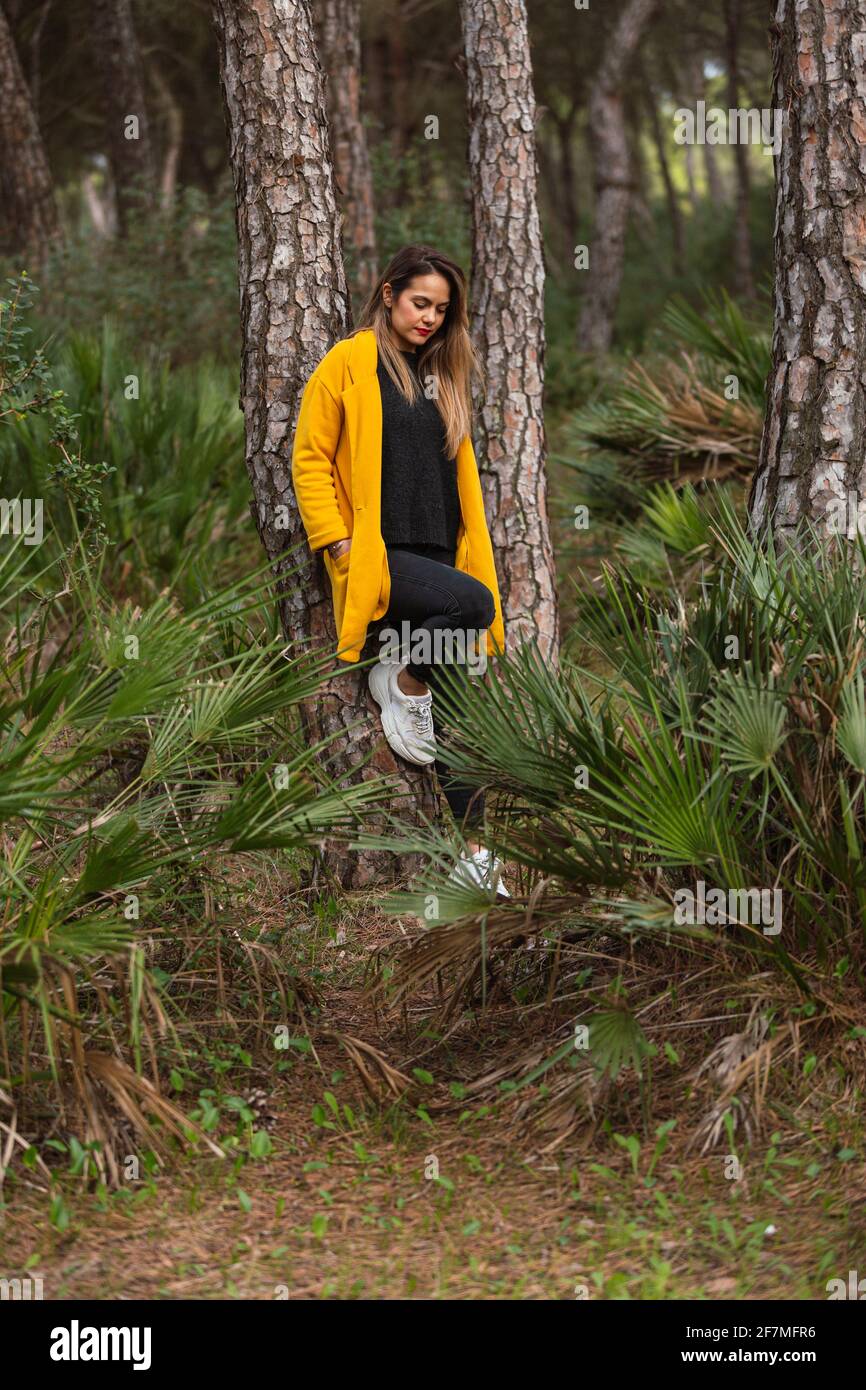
(206,1021)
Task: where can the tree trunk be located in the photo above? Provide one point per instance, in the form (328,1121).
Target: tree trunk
(743,280)
(554,152)
(398,80)
(35,56)
(339,31)
(715,187)
(691,186)
(564,136)
(812,449)
(379,93)
(98,206)
(675,213)
(508,314)
(127,129)
(293,304)
(558,259)
(173,138)
(640,178)
(29,225)
(613,179)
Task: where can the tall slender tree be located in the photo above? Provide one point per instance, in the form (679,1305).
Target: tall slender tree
(508,313)
(29,224)
(743,279)
(675,212)
(35,55)
(698,83)
(565,173)
(172,115)
(613,178)
(814,439)
(339,37)
(127,125)
(294,304)
(399,81)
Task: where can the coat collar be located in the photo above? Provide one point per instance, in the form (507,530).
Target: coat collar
(363,355)
(362,402)
(363,359)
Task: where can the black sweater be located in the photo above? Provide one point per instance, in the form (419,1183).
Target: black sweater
(420,501)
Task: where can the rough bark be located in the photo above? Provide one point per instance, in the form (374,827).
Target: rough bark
(508,314)
(293,305)
(339,32)
(133,166)
(743,280)
(613,179)
(29,223)
(812,449)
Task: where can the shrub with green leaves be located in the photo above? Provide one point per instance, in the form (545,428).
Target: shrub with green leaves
(144,749)
(699,741)
(171,280)
(151,457)
(711,731)
(32,402)
(689,410)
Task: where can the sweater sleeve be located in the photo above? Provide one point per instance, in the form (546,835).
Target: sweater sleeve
(320,421)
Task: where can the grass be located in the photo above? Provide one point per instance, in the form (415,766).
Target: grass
(323,1222)
(451,1198)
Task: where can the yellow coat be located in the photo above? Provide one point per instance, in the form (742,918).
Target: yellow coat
(337,474)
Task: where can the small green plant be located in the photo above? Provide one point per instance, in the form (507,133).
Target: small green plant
(28,393)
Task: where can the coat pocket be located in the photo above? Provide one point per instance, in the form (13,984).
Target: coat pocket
(338,573)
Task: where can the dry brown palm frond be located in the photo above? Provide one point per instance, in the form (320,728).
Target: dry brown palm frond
(733,1061)
(380,1079)
(700,420)
(665,416)
(427,951)
(561,1112)
(13,1138)
(430,950)
(133,1095)
(507,1071)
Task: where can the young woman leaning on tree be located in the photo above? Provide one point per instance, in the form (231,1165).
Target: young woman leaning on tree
(388,487)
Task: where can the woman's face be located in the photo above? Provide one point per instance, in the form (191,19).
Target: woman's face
(419,312)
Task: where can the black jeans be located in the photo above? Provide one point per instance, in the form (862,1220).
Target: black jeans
(429,593)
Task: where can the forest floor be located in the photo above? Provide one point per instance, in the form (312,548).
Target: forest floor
(454,1199)
(404,1201)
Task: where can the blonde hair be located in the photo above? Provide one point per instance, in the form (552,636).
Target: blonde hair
(450,358)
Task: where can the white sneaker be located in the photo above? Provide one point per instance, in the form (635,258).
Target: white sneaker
(477,870)
(406,719)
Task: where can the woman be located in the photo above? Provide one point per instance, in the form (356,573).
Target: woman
(388,487)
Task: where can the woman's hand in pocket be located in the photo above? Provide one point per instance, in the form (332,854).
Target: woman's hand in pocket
(339,552)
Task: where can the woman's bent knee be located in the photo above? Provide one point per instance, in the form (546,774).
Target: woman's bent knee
(482,610)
